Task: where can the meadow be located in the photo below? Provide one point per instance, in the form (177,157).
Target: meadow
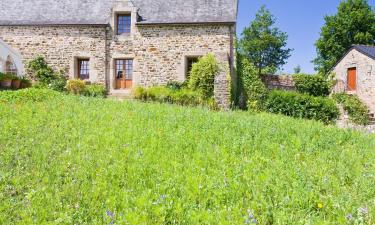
(79,160)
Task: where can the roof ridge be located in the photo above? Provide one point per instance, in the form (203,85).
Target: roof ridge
(363,45)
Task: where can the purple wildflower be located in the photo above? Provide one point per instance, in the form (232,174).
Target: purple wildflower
(349,216)
(109,213)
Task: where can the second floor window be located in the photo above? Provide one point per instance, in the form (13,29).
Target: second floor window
(123,24)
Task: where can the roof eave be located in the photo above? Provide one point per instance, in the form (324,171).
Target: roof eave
(184,23)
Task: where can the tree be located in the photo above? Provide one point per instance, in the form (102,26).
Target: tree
(354,23)
(297,69)
(263,44)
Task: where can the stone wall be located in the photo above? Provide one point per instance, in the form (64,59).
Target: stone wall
(365,76)
(282,82)
(61,45)
(160,53)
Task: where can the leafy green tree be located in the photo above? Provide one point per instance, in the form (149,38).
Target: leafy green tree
(354,23)
(297,69)
(263,44)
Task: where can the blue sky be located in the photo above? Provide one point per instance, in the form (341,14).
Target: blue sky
(301,19)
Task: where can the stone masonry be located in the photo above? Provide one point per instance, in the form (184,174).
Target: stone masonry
(159,52)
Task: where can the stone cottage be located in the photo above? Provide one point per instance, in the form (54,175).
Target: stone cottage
(355,74)
(123,43)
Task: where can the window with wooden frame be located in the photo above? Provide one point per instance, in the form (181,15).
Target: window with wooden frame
(124,73)
(83,71)
(124,22)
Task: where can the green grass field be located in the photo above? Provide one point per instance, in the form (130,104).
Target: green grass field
(75,160)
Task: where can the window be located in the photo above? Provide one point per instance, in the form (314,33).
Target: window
(83,69)
(124,73)
(10,67)
(123,24)
(189,64)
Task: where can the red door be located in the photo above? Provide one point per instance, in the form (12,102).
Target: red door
(352,79)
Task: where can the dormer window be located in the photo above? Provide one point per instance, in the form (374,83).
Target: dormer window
(123,24)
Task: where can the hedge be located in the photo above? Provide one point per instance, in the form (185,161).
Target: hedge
(302,106)
(182,96)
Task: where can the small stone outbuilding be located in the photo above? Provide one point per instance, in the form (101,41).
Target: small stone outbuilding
(124,43)
(355,74)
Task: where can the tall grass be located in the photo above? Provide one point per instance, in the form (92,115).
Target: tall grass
(77,160)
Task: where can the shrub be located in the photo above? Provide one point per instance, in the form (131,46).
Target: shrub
(45,75)
(184,96)
(175,85)
(315,85)
(27,95)
(302,106)
(254,89)
(58,83)
(357,110)
(75,86)
(95,90)
(7,76)
(202,75)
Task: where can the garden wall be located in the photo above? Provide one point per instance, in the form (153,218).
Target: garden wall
(282,82)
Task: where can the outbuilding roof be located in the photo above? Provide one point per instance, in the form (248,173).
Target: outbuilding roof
(65,12)
(366,50)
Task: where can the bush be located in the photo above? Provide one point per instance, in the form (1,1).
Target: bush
(7,76)
(254,89)
(315,85)
(27,95)
(357,110)
(175,85)
(164,94)
(202,75)
(45,75)
(95,90)
(75,86)
(302,106)
(58,83)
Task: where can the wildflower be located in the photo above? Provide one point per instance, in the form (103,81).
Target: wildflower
(109,213)
(320,206)
(363,210)
(349,216)
(255,221)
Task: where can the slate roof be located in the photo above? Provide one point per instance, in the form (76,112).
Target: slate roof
(61,12)
(366,50)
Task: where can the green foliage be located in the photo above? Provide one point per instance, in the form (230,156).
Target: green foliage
(315,85)
(27,95)
(263,44)
(7,76)
(254,89)
(175,85)
(59,82)
(95,90)
(302,106)
(75,86)
(182,96)
(73,160)
(357,110)
(354,23)
(297,69)
(45,75)
(202,76)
